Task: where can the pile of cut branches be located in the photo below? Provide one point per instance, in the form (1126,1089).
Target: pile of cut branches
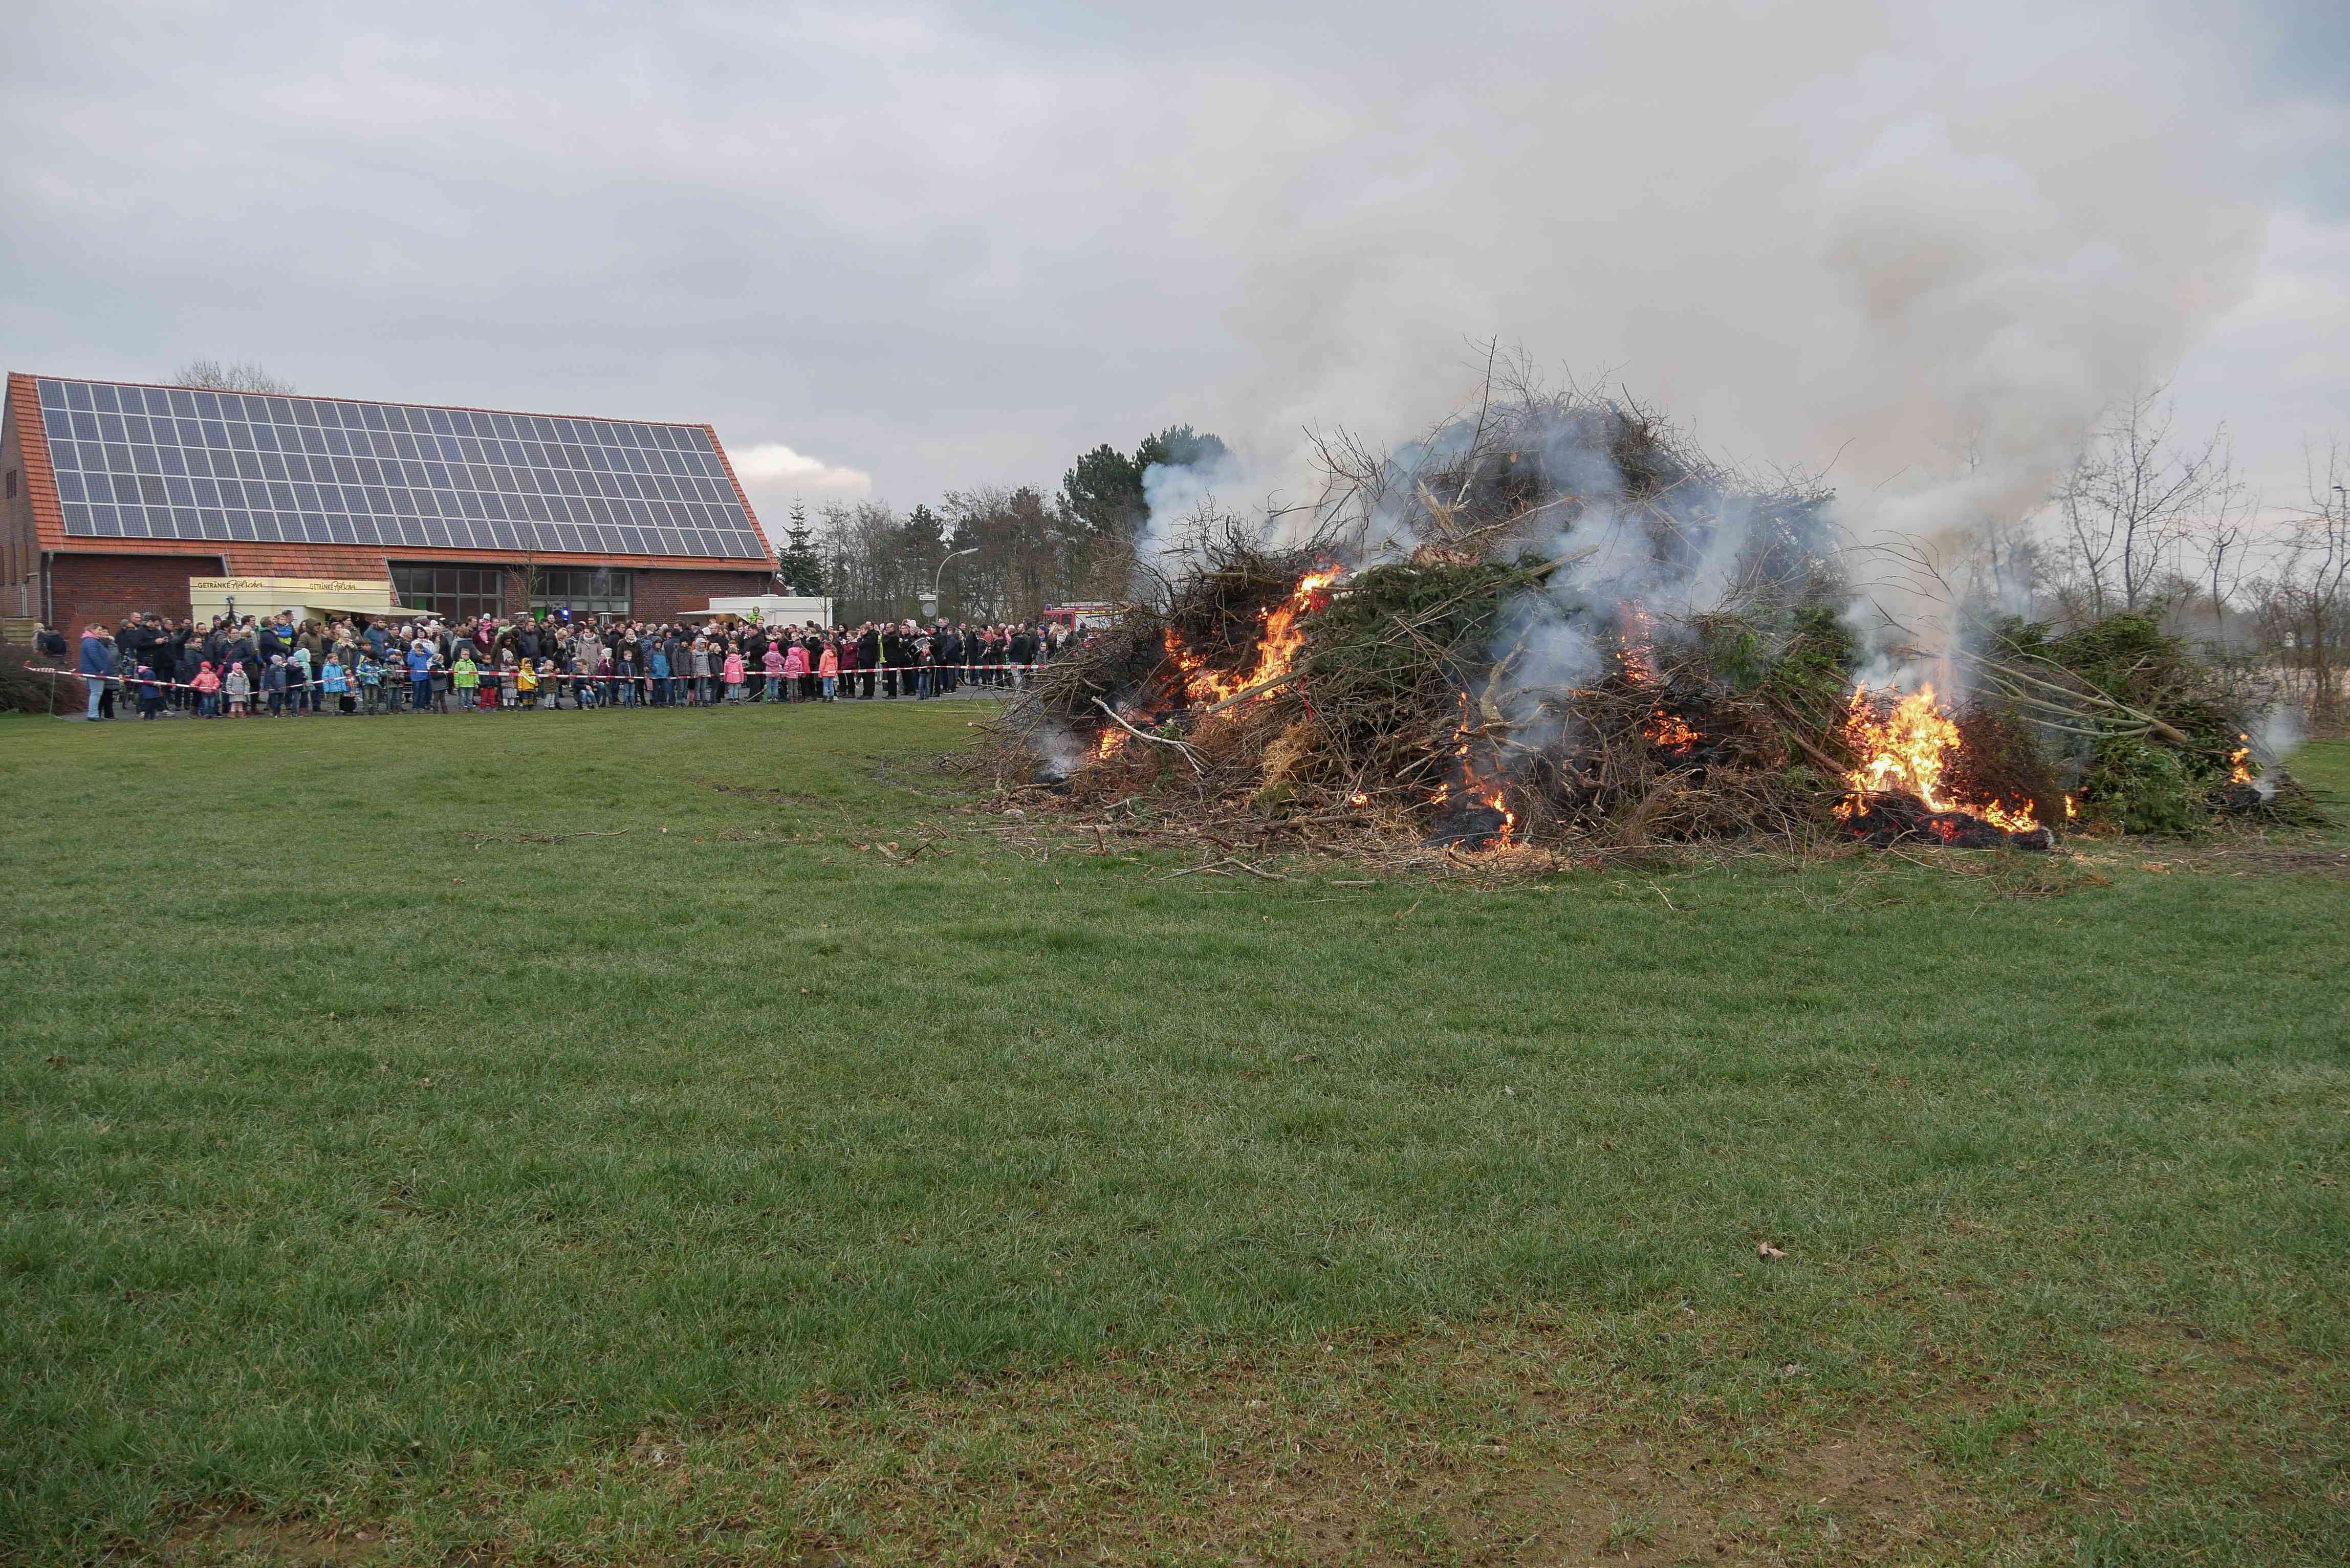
(1565,629)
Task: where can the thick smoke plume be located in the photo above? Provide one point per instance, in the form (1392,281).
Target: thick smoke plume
(1918,248)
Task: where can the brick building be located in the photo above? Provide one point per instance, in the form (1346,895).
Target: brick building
(114,497)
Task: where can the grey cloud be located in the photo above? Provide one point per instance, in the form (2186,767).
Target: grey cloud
(947,247)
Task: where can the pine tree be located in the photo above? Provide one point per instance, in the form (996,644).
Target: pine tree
(797,563)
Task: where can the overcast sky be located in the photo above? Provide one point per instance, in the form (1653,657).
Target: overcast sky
(914,248)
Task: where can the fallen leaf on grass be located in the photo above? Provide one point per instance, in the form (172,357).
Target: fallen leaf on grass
(2157,868)
(55,1061)
(1767,1252)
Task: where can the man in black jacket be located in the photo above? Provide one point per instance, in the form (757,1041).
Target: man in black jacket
(949,643)
(897,658)
(1020,653)
(869,657)
(754,663)
(130,641)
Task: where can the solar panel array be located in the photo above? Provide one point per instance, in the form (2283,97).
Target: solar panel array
(173,462)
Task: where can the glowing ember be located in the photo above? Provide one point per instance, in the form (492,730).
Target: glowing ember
(1670,732)
(1358,798)
(1474,792)
(1113,741)
(1277,644)
(1633,646)
(1907,751)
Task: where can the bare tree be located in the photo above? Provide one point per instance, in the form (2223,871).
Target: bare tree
(2315,574)
(2222,542)
(2132,497)
(232,375)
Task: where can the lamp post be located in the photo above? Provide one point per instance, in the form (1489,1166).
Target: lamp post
(931,600)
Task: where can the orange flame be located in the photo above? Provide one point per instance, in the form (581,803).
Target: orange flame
(1633,646)
(1473,789)
(1276,648)
(1113,741)
(1670,732)
(2239,761)
(1907,752)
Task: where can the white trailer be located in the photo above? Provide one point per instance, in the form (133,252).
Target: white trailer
(772,609)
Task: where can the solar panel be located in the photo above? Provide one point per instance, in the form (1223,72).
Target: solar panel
(169,463)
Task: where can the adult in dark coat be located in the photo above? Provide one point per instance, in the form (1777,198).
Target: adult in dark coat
(949,642)
(868,655)
(754,663)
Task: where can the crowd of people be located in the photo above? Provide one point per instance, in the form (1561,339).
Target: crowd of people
(285,667)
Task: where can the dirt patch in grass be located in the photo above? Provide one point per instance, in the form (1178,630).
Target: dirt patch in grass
(1663,1439)
(241,1536)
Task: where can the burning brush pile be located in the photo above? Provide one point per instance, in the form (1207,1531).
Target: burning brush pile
(1587,636)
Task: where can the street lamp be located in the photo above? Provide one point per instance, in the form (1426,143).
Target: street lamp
(931,600)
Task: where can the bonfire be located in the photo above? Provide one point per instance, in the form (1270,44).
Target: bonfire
(1573,632)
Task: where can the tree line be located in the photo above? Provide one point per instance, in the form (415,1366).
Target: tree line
(1014,549)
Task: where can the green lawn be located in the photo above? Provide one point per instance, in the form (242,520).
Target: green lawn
(574,1137)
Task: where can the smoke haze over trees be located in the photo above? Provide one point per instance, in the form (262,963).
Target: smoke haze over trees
(1084,541)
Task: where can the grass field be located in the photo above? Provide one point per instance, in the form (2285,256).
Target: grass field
(576,1138)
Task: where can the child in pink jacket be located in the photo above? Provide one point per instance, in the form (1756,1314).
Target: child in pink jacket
(772,663)
(207,684)
(795,671)
(733,675)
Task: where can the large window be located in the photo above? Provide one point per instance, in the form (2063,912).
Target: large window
(584,590)
(452,593)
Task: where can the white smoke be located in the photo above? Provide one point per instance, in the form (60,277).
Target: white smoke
(2276,733)
(1060,752)
(1920,246)
(1554,637)
(1178,497)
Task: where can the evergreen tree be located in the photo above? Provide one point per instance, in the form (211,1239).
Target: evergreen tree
(1105,491)
(1180,446)
(798,562)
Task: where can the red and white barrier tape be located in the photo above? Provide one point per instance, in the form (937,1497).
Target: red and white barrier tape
(498,673)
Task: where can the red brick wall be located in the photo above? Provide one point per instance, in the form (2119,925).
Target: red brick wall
(20,546)
(664,596)
(105,589)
